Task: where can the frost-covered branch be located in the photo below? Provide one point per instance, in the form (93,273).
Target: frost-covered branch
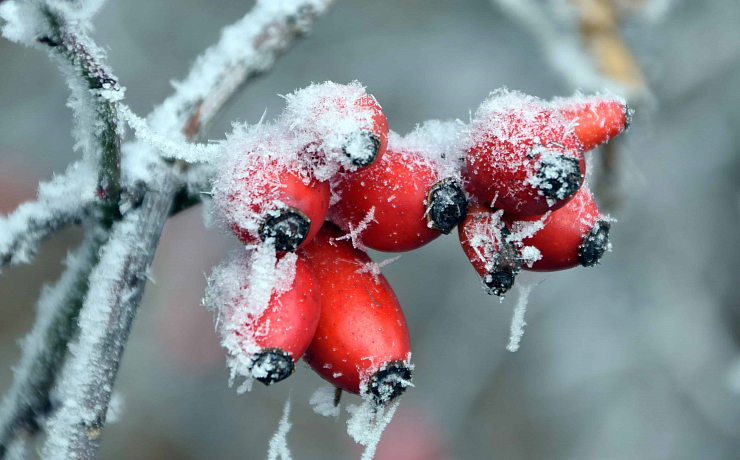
(44,347)
(61,28)
(116,286)
(66,199)
(246,50)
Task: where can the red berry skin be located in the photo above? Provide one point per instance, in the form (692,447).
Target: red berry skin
(599,119)
(511,148)
(482,236)
(267,187)
(396,186)
(576,234)
(362,327)
(291,317)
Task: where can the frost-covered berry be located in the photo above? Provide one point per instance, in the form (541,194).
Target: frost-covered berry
(403,201)
(339,126)
(597,118)
(362,342)
(264,191)
(522,155)
(266,310)
(485,240)
(576,234)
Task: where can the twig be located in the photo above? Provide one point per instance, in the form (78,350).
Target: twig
(245,51)
(115,292)
(45,345)
(95,92)
(65,199)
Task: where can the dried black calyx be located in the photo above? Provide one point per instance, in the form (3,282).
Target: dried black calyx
(288,227)
(500,279)
(362,148)
(595,244)
(559,177)
(389,382)
(272,365)
(446,205)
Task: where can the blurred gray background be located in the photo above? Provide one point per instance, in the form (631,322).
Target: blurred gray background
(637,358)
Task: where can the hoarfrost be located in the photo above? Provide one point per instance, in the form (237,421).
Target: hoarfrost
(279,443)
(171,148)
(437,141)
(322,401)
(53,305)
(374,268)
(248,47)
(326,120)
(367,422)
(116,407)
(354,232)
(238,292)
(255,163)
(62,200)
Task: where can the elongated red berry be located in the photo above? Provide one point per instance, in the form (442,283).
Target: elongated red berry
(598,118)
(523,156)
(399,203)
(484,239)
(362,341)
(266,336)
(264,191)
(340,125)
(576,234)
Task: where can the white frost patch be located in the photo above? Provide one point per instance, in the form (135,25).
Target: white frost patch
(354,232)
(63,199)
(116,407)
(326,119)
(279,443)
(367,422)
(517,320)
(238,292)
(322,401)
(170,148)
(374,268)
(438,142)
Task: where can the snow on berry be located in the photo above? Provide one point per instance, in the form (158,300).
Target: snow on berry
(266,311)
(263,190)
(340,127)
(485,240)
(523,153)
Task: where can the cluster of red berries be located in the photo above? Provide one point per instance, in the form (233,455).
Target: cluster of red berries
(310,193)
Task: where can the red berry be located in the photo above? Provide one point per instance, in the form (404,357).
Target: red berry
(523,156)
(576,234)
(598,118)
(484,239)
(274,337)
(362,342)
(264,198)
(411,203)
(339,124)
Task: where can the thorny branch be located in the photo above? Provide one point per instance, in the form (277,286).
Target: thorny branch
(112,286)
